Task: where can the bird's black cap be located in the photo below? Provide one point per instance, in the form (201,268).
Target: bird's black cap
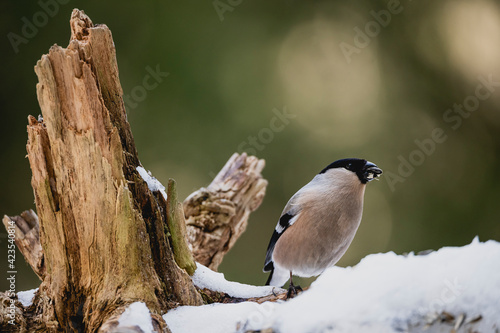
(366,171)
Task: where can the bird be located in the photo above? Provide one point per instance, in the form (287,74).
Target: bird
(319,222)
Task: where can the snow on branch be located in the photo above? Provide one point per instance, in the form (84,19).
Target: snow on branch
(206,278)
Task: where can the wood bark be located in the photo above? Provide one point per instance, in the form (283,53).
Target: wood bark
(27,239)
(216,216)
(102,239)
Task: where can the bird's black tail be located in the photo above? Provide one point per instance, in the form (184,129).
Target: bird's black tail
(270,277)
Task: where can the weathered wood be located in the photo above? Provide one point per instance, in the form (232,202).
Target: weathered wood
(216,216)
(27,239)
(10,306)
(101,228)
(211,296)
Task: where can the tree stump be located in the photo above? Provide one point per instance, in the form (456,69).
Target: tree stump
(102,238)
(102,229)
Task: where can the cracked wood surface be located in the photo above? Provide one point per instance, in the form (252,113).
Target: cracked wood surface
(216,216)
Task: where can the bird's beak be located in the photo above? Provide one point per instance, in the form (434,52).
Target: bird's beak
(371,171)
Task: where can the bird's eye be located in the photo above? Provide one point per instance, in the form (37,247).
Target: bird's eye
(348,166)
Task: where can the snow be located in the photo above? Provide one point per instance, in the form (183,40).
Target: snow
(204,277)
(136,314)
(383,293)
(153,183)
(214,318)
(26,297)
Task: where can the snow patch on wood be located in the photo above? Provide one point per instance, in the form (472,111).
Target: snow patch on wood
(136,314)
(206,278)
(153,183)
(26,297)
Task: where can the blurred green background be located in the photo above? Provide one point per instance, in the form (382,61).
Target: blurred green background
(356,87)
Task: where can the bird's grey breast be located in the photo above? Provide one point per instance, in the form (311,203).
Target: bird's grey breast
(334,222)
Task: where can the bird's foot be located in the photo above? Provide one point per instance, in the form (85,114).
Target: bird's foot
(293,291)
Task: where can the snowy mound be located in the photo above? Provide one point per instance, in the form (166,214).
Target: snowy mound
(383,293)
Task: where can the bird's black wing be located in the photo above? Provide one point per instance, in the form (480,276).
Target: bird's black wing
(287,218)
(283,224)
